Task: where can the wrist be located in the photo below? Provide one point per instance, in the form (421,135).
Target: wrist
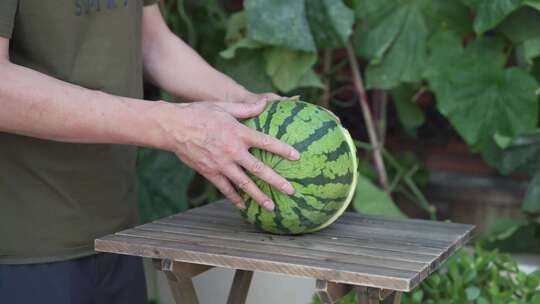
(159,129)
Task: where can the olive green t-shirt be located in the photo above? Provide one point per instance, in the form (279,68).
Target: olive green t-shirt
(56,198)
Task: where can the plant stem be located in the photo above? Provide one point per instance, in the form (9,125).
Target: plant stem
(383,110)
(327,65)
(370,125)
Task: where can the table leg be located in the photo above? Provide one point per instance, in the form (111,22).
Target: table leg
(368,295)
(240,287)
(179,275)
(331,292)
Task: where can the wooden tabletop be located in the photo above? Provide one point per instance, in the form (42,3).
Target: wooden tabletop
(372,251)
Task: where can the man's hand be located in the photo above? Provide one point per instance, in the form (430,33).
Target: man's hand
(208,137)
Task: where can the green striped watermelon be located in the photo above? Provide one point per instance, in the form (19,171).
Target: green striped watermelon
(324,178)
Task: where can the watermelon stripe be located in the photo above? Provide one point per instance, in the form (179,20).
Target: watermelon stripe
(321,180)
(303,203)
(304,221)
(325,200)
(257,123)
(268,118)
(278,220)
(341,150)
(316,135)
(283,126)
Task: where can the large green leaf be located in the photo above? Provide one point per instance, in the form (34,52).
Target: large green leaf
(299,24)
(249,69)
(288,67)
(489,13)
(330,21)
(531,202)
(393,36)
(523,28)
(279,22)
(476,93)
(371,200)
(163,184)
(516,157)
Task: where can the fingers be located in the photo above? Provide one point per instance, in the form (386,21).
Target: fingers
(262,171)
(225,187)
(243,110)
(243,182)
(273,96)
(270,144)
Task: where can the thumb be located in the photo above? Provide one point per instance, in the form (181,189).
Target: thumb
(243,110)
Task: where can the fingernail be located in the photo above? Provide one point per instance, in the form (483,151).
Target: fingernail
(261,101)
(269,205)
(296,97)
(295,155)
(241,206)
(287,188)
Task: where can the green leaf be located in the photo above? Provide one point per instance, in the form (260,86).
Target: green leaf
(288,67)
(531,202)
(489,13)
(504,228)
(522,154)
(248,68)
(280,23)
(310,79)
(523,29)
(522,25)
(448,15)
(244,43)
(393,37)
(371,200)
(472,292)
(476,93)
(408,111)
(331,22)
(533,3)
(163,184)
(236,26)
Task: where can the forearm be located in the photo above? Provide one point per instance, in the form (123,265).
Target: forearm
(175,67)
(34,104)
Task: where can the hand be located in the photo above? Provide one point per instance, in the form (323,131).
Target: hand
(208,137)
(253,97)
(246,96)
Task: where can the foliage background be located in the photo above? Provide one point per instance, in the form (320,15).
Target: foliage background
(472,64)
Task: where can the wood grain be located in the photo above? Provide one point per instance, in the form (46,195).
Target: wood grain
(370,251)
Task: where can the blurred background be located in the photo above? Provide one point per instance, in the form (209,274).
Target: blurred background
(441,97)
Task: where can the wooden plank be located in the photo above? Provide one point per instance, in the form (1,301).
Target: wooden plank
(271,251)
(284,241)
(399,245)
(354,218)
(420,234)
(240,287)
(236,259)
(237,224)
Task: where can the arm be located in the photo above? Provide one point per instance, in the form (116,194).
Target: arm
(175,67)
(205,135)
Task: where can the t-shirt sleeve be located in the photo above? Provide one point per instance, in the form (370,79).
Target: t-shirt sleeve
(149,2)
(8,8)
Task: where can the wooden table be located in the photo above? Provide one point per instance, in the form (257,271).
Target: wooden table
(379,257)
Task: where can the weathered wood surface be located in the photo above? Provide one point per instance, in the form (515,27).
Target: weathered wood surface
(372,251)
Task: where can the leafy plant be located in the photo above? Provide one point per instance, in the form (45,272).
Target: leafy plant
(482,276)
(476,62)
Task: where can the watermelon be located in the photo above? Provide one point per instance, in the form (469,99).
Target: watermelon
(324,178)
